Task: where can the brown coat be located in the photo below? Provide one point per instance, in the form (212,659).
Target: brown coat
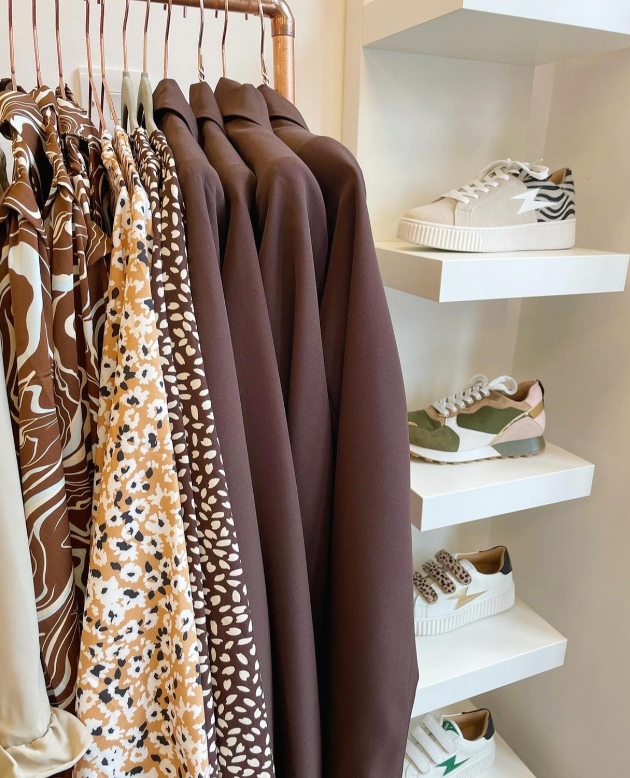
(293,248)
(205,213)
(373,660)
(296,711)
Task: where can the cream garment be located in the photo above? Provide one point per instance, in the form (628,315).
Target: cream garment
(35,739)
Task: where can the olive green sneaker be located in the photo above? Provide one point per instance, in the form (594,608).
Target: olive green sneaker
(487,420)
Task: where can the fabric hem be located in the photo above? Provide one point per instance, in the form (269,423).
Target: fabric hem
(60,747)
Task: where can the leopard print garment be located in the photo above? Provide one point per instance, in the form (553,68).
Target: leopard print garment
(242,725)
(139,691)
(149,168)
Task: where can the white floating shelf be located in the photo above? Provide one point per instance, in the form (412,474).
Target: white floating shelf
(485,655)
(445,495)
(506,763)
(446,276)
(521,32)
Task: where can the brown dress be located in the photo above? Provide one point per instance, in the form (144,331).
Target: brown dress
(269,448)
(205,219)
(372,635)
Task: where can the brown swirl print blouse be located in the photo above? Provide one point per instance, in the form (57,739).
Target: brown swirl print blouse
(138,689)
(26,324)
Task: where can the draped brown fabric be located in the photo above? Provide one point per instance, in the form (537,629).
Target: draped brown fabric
(205,218)
(269,448)
(26,325)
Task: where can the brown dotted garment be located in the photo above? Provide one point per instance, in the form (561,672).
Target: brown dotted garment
(149,169)
(243,739)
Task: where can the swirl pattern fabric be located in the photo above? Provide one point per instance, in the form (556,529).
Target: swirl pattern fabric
(26,325)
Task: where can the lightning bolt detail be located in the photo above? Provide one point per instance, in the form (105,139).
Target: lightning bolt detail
(451,765)
(530,203)
(463,598)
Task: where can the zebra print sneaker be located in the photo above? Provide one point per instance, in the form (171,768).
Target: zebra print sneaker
(509,206)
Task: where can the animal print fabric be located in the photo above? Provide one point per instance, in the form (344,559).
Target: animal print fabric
(242,730)
(139,690)
(149,168)
(26,326)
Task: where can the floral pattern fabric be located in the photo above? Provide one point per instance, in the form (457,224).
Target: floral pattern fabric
(139,691)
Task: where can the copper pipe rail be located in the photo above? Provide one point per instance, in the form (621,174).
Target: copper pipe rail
(282,32)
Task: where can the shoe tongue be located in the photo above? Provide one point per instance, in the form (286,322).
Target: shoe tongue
(467,565)
(450,726)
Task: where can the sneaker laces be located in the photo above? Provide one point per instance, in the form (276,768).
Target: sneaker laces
(492,174)
(478,387)
(429,744)
(437,572)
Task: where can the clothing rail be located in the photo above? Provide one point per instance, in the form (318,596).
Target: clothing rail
(282,31)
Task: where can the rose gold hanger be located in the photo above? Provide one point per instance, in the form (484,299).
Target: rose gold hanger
(263,64)
(110,101)
(224,37)
(202,24)
(145,92)
(38,69)
(167,36)
(12,47)
(62,84)
(88,46)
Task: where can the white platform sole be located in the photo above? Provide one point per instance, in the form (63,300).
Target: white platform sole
(473,612)
(541,236)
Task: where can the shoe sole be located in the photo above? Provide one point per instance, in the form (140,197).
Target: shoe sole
(541,236)
(475,612)
(513,449)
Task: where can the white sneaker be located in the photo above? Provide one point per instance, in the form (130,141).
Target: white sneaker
(463,746)
(458,590)
(510,206)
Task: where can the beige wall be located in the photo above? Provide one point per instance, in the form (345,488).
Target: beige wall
(320,34)
(571,560)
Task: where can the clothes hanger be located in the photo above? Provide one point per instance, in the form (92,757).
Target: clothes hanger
(62,83)
(224,37)
(105,85)
(263,64)
(167,36)
(127,93)
(93,91)
(145,93)
(202,24)
(12,47)
(38,69)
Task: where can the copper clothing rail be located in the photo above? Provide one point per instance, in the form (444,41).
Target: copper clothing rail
(282,31)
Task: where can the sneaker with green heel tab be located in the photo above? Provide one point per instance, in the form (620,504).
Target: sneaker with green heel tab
(487,420)
(462,746)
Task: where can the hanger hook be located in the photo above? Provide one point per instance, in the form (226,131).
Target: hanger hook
(12,47)
(38,69)
(110,101)
(88,46)
(124,32)
(224,37)
(263,64)
(167,36)
(202,24)
(62,84)
(145,49)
